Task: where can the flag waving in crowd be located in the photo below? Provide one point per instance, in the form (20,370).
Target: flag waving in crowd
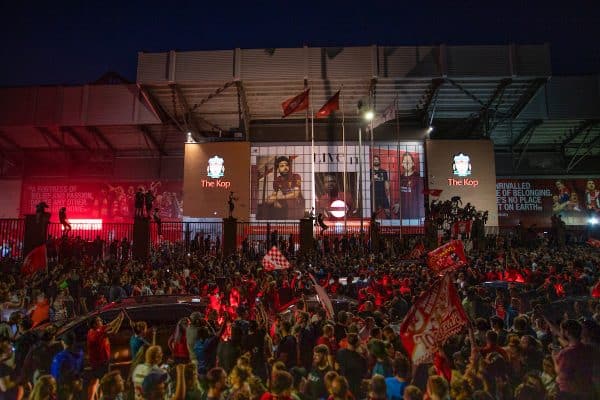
(323,297)
(447,257)
(435,316)
(36,260)
(275,260)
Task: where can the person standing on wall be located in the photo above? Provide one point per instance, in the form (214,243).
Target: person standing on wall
(62,217)
(139,203)
(149,200)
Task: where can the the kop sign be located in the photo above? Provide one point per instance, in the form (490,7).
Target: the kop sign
(215,170)
(461,168)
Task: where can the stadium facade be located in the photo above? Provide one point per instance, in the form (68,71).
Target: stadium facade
(487,123)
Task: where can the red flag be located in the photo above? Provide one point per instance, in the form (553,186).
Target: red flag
(447,257)
(332,105)
(462,228)
(35,261)
(295,104)
(594,242)
(433,192)
(596,290)
(275,260)
(417,250)
(436,315)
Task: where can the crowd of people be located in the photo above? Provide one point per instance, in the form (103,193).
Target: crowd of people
(534,334)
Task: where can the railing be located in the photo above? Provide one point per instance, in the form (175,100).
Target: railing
(12,233)
(255,236)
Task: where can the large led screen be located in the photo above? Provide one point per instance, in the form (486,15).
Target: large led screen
(464,168)
(534,201)
(345,180)
(211,172)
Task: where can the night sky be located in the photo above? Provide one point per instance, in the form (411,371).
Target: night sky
(73,43)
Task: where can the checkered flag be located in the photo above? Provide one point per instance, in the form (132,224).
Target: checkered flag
(275,260)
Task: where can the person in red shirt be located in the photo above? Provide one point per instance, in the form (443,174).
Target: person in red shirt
(98,347)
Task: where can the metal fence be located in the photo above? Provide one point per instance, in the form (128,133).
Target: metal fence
(12,233)
(256,236)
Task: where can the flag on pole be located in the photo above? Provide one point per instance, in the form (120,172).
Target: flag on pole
(275,260)
(388,114)
(332,105)
(436,315)
(323,297)
(447,257)
(296,103)
(36,260)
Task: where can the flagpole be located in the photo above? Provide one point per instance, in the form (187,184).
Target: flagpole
(345,159)
(312,152)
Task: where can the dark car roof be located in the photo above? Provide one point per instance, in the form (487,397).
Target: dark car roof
(134,303)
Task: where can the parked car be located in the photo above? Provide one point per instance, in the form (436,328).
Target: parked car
(160,312)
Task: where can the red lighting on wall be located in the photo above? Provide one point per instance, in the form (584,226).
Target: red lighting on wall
(86,224)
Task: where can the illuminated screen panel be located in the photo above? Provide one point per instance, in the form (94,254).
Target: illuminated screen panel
(464,168)
(282,182)
(534,201)
(108,201)
(211,172)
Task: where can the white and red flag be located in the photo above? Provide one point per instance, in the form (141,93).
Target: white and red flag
(275,260)
(447,257)
(36,260)
(323,297)
(436,315)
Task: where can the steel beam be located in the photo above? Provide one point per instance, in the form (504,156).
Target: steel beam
(50,136)
(590,146)
(161,112)
(218,91)
(527,132)
(484,117)
(77,137)
(576,131)
(245,109)
(522,102)
(422,109)
(188,117)
(150,137)
(98,134)
(465,91)
(10,141)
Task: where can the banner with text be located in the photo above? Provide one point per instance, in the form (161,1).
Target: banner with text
(533,201)
(109,201)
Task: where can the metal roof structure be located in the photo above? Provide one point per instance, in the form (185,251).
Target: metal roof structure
(506,93)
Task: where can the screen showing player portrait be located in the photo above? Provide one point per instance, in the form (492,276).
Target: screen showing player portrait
(211,172)
(465,169)
(397,182)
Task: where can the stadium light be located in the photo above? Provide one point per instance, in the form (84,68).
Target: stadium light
(593,221)
(190,138)
(430,129)
(369,115)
